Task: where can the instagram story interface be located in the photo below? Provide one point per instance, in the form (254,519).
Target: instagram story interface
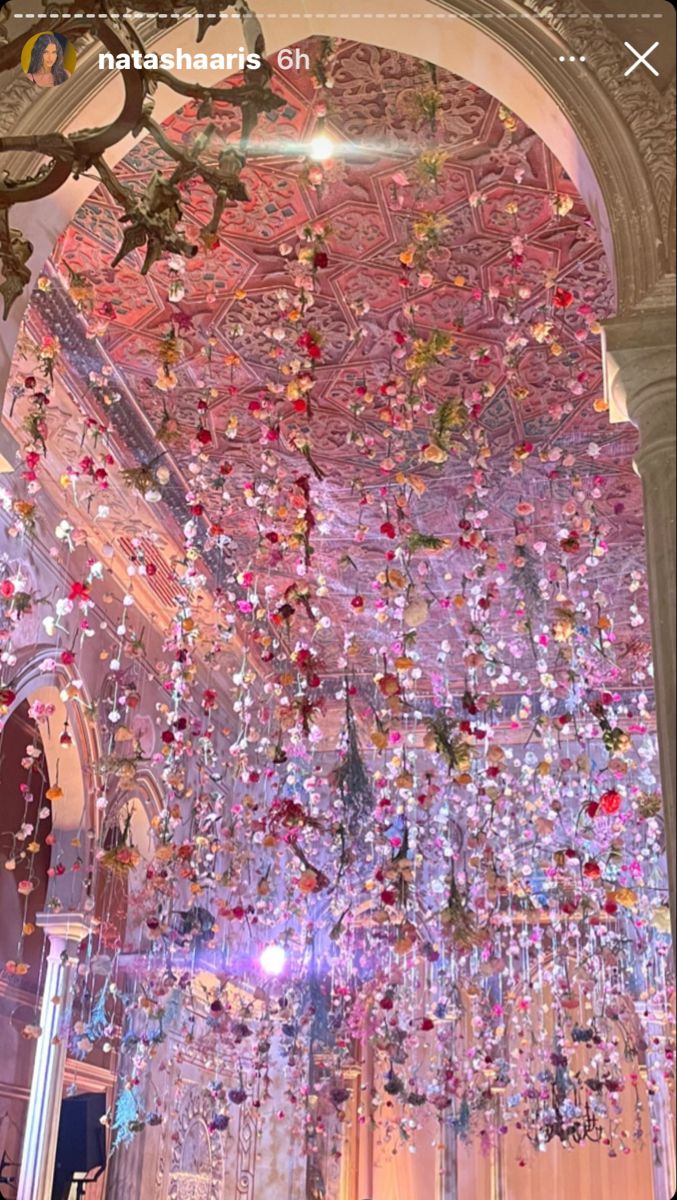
(337,600)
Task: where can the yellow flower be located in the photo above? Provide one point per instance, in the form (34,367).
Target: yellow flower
(625,896)
(434,454)
(660,918)
(541,330)
(166,380)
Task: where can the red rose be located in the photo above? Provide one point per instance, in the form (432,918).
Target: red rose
(7,587)
(79,591)
(563,298)
(203,436)
(610,802)
(388,529)
(592,870)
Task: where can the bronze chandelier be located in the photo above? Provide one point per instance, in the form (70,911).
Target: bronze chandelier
(151,216)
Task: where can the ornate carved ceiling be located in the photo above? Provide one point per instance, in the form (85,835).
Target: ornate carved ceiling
(497,185)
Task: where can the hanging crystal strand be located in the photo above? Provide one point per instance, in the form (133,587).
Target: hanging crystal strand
(539,960)
(511,935)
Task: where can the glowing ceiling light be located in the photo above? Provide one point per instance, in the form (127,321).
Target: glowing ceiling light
(321,148)
(273,959)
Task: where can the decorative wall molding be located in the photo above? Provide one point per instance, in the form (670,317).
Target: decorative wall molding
(89,1077)
(648,112)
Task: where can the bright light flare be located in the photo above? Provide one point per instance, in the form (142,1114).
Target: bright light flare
(321,148)
(273,960)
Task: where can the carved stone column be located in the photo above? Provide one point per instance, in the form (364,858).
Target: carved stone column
(65,932)
(640,381)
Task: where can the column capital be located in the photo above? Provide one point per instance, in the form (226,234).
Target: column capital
(639,362)
(66,930)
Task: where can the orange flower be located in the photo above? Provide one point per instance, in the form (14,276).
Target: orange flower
(308,882)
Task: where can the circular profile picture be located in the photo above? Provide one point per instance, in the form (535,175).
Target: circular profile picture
(48,59)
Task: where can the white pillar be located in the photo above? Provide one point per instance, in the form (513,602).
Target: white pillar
(640,383)
(449,1171)
(365,1176)
(663,1150)
(65,932)
(497,1181)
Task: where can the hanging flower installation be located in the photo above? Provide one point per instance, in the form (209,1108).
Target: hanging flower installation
(404,698)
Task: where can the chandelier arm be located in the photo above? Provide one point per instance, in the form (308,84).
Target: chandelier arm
(189,164)
(150,218)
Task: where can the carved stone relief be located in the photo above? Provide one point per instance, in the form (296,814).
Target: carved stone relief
(648,113)
(196,1169)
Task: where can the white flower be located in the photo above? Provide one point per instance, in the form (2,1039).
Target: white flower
(64,530)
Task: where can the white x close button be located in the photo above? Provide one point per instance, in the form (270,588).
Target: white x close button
(641,58)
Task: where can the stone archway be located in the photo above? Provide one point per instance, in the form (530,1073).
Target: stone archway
(75,814)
